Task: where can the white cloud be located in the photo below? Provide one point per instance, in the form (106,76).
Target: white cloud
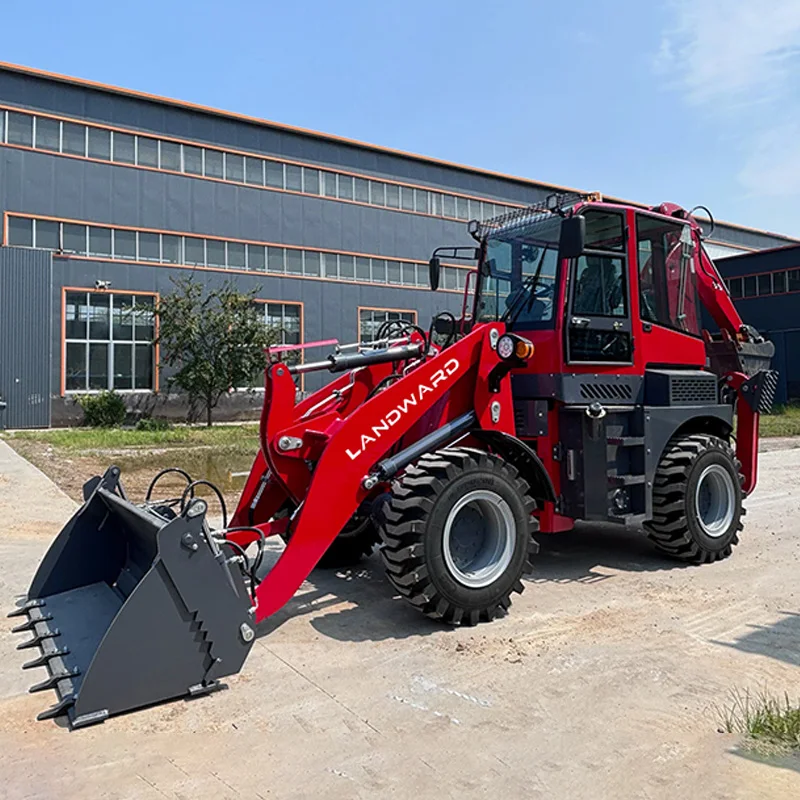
(740,59)
(732,51)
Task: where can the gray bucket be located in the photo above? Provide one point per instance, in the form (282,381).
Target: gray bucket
(132,606)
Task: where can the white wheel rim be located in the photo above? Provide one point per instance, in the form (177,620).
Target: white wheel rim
(715,500)
(478,538)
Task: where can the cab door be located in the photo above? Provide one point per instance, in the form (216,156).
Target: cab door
(598,323)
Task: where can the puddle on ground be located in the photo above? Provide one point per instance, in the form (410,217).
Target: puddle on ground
(227,470)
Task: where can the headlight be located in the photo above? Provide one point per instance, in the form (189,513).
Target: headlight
(506,347)
(510,346)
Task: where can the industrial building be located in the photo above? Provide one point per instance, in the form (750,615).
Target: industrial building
(107,194)
(765,287)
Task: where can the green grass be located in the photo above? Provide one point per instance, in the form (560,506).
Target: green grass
(770,724)
(783,421)
(78,439)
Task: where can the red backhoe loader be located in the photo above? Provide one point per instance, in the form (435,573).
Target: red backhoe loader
(583,384)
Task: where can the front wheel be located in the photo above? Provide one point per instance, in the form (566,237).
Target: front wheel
(457,535)
(697,499)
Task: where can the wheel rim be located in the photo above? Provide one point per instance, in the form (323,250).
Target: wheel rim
(715,500)
(479,536)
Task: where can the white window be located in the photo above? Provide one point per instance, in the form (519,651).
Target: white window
(109,341)
(370,321)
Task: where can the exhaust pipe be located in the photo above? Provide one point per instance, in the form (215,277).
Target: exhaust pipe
(132,606)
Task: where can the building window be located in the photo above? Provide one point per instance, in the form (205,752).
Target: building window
(750,286)
(294,178)
(124,148)
(192,160)
(284,319)
(20,129)
(78,139)
(765,283)
(73,139)
(122,244)
(147,151)
(171,156)
(779,282)
(370,321)
(48,134)
(109,341)
(99,144)
(234,168)
(20,232)
(793,277)
(213,164)
(735,287)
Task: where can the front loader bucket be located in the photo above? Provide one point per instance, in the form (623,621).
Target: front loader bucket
(130,607)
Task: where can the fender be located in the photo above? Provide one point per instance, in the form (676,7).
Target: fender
(530,466)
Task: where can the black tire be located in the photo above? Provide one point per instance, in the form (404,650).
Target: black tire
(356,540)
(414,525)
(678,527)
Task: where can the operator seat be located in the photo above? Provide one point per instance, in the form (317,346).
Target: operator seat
(599,289)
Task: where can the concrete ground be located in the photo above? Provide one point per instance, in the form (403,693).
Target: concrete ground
(602,683)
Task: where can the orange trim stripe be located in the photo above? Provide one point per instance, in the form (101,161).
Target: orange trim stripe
(32,71)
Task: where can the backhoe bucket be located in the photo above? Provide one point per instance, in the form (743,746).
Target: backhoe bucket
(132,606)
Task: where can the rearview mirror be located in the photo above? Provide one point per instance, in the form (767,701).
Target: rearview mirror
(573,237)
(434,268)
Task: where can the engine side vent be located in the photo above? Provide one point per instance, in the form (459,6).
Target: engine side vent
(675,387)
(693,391)
(606,391)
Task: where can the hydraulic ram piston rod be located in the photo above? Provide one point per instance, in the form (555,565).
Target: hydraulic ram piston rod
(345,361)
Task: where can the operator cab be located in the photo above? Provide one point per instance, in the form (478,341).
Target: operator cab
(587,280)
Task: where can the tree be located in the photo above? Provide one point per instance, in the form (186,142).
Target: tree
(214,340)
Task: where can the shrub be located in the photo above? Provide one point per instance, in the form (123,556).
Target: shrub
(103,410)
(153,424)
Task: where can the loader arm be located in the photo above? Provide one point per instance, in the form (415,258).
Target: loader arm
(453,381)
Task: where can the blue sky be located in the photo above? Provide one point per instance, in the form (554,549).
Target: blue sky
(692,101)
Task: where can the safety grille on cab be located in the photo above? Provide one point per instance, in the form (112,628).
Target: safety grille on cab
(606,391)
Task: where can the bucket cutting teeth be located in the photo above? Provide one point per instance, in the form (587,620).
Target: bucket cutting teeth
(42,660)
(54,679)
(61,707)
(38,639)
(29,625)
(26,607)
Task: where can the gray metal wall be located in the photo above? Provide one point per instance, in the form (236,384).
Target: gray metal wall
(330,308)
(26,318)
(40,183)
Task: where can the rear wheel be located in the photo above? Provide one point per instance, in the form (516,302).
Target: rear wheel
(697,499)
(457,535)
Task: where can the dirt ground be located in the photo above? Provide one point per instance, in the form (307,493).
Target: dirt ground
(603,682)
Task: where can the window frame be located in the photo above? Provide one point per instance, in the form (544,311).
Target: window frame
(698,306)
(109,342)
(382,310)
(601,323)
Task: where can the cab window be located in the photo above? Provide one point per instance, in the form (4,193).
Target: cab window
(667,279)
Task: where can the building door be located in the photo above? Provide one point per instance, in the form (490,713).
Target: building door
(25,335)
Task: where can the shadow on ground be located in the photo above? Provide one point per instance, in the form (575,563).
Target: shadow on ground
(780,640)
(789,761)
(374,612)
